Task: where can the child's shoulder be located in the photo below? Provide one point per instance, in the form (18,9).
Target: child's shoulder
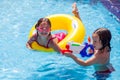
(33,38)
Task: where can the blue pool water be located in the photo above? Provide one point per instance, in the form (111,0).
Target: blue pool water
(19,63)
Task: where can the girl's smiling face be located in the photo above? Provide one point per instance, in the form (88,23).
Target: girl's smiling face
(43,29)
(96,42)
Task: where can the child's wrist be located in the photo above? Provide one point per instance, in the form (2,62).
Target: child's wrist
(77,13)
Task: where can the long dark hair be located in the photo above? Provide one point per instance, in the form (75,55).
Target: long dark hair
(41,20)
(105,37)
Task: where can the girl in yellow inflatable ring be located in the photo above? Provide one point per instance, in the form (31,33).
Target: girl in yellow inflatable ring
(43,36)
(43,40)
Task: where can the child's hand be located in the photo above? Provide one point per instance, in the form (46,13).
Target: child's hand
(28,46)
(74,10)
(90,51)
(67,50)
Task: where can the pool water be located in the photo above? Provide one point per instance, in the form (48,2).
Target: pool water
(19,63)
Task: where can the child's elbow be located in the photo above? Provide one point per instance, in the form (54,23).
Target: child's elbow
(85,64)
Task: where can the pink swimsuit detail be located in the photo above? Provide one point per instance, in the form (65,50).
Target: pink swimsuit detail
(59,36)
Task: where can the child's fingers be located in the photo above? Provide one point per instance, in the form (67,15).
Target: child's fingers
(74,5)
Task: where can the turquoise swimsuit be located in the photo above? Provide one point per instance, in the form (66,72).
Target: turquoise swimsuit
(103,71)
(101,67)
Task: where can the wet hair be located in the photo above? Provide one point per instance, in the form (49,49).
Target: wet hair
(105,37)
(42,20)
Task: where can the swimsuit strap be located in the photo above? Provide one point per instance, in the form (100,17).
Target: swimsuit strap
(49,41)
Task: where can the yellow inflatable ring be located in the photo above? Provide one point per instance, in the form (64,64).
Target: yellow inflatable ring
(74,27)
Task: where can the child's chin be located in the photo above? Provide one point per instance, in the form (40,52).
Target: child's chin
(45,34)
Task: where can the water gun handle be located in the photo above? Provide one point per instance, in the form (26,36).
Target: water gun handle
(67,50)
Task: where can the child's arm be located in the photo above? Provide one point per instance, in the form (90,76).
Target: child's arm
(53,44)
(75,11)
(88,62)
(29,42)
